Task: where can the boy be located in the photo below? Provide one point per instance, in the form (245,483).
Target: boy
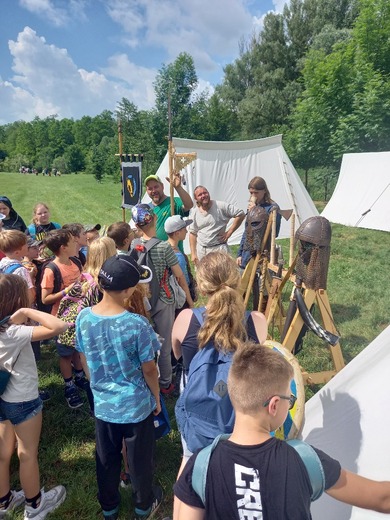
(163,312)
(122,235)
(259,476)
(80,235)
(65,248)
(118,352)
(13,243)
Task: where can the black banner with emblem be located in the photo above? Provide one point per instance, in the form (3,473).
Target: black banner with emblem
(131,184)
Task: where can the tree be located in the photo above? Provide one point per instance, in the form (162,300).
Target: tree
(74,157)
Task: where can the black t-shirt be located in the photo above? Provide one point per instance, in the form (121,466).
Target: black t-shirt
(267,481)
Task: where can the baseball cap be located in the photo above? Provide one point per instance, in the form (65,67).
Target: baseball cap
(120,272)
(33,243)
(91,227)
(175,223)
(152,178)
(142,214)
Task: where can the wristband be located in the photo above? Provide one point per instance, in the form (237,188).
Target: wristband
(64,293)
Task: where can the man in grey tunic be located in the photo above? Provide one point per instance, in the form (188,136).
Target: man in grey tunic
(210,218)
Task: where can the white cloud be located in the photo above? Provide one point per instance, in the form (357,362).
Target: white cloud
(56,15)
(47,82)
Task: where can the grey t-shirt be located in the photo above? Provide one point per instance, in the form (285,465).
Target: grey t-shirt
(209,226)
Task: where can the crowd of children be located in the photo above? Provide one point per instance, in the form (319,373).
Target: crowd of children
(108,304)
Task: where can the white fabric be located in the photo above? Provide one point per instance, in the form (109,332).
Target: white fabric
(349,419)
(363,186)
(23,383)
(225,169)
(20,271)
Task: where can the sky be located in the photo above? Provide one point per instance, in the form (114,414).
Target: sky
(72,58)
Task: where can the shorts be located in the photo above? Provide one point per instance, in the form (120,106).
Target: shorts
(17,413)
(64,350)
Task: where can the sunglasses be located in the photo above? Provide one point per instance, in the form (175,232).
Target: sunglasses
(292,398)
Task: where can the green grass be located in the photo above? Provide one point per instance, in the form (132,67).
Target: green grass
(358,289)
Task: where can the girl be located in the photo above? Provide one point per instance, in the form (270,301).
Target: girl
(41,222)
(12,220)
(20,404)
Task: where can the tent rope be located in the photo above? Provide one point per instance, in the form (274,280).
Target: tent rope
(370,208)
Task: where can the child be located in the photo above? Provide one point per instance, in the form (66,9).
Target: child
(80,235)
(253,475)
(92,232)
(62,243)
(118,350)
(122,235)
(162,312)
(14,245)
(20,405)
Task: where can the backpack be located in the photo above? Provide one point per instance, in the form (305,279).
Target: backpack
(49,264)
(10,268)
(72,304)
(141,254)
(204,409)
(308,455)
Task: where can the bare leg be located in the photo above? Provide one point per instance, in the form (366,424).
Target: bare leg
(28,434)
(7,447)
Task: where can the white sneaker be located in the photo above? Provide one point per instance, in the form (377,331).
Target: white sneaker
(50,500)
(17,499)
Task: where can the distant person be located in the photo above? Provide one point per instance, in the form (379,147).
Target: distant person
(118,350)
(20,404)
(122,235)
(254,475)
(12,220)
(210,217)
(41,224)
(161,203)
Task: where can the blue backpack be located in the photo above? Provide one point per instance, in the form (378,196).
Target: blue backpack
(204,409)
(308,455)
(10,268)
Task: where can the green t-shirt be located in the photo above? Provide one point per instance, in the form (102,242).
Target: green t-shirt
(163,211)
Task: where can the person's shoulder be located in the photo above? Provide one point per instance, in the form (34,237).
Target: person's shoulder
(56,225)
(31,228)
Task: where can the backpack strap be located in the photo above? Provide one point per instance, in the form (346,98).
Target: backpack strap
(11,268)
(57,276)
(313,466)
(201,466)
(199,314)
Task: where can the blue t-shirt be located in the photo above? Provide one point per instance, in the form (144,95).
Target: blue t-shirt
(115,348)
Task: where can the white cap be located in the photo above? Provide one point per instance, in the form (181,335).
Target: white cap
(176,223)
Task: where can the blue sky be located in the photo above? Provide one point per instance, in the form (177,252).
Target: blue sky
(80,57)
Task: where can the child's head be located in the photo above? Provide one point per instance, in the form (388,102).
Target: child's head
(176,227)
(61,240)
(92,232)
(258,377)
(144,217)
(78,232)
(122,235)
(216,271)
(121,273)
(13,295)
(12,241)
(41,214)
(33,249)
(98,252)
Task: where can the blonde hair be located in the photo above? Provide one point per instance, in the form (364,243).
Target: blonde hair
(35,209)
(257,373)
(218,279)
(98,252)
(13,296)
(11,240)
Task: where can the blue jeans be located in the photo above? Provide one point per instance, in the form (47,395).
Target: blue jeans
(17,413)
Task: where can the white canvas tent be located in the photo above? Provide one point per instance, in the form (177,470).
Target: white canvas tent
(349,419)
(225,168)
(362,194)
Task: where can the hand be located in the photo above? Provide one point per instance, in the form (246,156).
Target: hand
(18,317)
(191,305)
(158,407)
(225,237)
(238,261)
(251,205)
(176,180)
(195,260)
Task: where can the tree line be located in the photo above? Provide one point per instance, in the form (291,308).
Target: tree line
(318,73)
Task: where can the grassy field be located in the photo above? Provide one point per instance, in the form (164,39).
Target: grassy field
(358,289)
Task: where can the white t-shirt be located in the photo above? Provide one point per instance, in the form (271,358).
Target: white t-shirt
(20,271)
(23,383)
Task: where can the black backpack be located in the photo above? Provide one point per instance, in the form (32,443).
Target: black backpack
(49,264)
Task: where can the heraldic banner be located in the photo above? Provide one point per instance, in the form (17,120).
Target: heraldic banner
(131,183)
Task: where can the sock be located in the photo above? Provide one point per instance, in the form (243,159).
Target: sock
(5,500)
(34,502)
(68,381)
(78,374)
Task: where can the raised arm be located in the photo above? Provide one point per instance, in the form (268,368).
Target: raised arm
(49,325)
(183,194)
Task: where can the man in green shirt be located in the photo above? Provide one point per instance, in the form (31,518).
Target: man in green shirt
(161,203)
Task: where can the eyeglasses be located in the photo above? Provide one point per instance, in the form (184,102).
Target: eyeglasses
(292,398)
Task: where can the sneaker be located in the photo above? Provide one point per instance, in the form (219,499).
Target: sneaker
(81,382)
(50,500)
(125,480)
(169,390)
(72,397)
(112,515)
(145,515)
(44,395)
(17,499)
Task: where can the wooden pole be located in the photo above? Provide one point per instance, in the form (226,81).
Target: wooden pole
(120,160)
(273,239)
(292,240)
